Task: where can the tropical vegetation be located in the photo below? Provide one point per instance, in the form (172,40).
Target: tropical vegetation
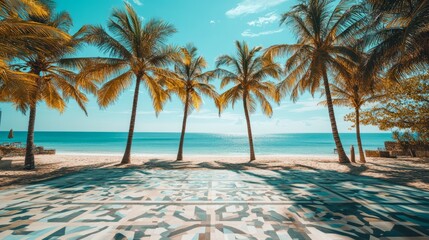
(400,37)
(405,106)
(324,36)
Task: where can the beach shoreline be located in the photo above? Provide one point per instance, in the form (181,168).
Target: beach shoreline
(194,155)
(404,171)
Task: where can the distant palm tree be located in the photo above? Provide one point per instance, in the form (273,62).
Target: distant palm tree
(191,82)
(324,34)
(400,40)
(137,52)
(54,84)
(247,73)
(355,90)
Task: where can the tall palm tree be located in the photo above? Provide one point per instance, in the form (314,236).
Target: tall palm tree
(138,52)
(354,90)
(323,36)
(400,39)
(54,83)
(247,72)
(191,82)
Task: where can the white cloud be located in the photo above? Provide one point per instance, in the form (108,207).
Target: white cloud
(252,6)
(267,19)
(138,2)
(212,22)
(249,33)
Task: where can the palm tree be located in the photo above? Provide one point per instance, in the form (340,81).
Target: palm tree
(19,36)
(191,82)
(137,52)
(247,74)
(23,7)
(54,84)
(21,28)
(354,91)
(400,39)
(323,37)
(15,85)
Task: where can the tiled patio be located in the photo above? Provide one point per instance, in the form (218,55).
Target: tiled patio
(213,204)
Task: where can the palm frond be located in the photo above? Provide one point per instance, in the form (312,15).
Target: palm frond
(111,90)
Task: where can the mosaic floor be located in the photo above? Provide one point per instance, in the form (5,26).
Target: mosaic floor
(216,204)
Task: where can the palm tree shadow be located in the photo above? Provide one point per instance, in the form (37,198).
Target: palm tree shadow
(208,165)
(319,197)
(243,166)
(352,169)
(166,164)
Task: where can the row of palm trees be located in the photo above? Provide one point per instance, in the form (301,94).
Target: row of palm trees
(345,51)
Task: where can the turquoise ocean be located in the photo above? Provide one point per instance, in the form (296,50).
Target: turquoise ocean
(113,143)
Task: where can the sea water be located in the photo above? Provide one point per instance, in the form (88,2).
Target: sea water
(159,143)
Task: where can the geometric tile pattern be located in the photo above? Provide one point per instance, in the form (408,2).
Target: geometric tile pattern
(213,204)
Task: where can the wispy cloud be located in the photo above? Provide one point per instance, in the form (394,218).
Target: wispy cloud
(212,22)
(138,2)
(252,6)
(267,19)
(249,33)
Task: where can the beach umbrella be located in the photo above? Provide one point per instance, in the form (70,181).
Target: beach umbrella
(10,136)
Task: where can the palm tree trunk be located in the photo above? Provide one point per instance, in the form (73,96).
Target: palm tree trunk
(342,157)
(29,163)
(359,141)
(249,128)
(182,136)
(126,159)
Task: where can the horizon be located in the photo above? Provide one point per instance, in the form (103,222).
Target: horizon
(178,132)
(215,27)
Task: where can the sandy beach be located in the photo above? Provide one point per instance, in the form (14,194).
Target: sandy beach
(404,171)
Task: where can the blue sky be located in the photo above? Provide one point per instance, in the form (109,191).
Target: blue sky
(212,26)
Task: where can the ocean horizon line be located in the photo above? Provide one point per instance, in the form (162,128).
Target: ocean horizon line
(178,132)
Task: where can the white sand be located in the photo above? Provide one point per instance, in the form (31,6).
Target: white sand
(411,172)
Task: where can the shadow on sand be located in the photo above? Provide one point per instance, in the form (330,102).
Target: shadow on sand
(333,203)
